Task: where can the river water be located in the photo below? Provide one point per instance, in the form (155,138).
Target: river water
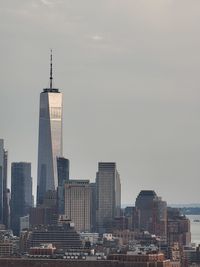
(195,228)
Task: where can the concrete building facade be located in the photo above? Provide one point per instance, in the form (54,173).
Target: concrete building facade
(178,228)
(78,195)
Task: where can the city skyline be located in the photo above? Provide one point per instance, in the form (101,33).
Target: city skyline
(130,87)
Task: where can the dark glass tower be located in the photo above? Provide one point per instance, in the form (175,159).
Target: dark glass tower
(145,204)
(63,177)
(63,170)
(21,193)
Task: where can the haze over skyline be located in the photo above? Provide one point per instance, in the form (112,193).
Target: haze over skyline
(129,74)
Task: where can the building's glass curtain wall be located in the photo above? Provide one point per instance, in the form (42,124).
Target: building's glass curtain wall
(50,141)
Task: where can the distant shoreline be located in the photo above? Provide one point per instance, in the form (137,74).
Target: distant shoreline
(190,211)
(193,209)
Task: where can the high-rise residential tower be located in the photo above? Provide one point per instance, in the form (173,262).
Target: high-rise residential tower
(108,195)
(50,139)
(21,193)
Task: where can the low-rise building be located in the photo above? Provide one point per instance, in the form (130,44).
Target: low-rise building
(91,237)
(124,236)
(42,250)
(142,260)
(6,248)
(61,236)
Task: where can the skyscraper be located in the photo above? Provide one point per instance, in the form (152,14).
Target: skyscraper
(152,213)
(21,193)
(108,195)
(93,206)
(178,228)
(78,204)
(160,219)
(63,170)
(1,178)
(50,139)
(4,194)
(145,203)
(63,177)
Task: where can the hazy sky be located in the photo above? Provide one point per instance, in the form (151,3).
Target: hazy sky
(130,74)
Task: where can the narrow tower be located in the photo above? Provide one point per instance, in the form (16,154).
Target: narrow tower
(50,138)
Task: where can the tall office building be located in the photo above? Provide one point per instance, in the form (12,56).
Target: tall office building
(144,203)
(1,178)
(160,219)
(178,228)
(21,193)
(108,196)
(50,139)
(63,170)
(6,208)
(78,196)
(4,193)
(63,177)
(47,213)
(93,206)
(152,214)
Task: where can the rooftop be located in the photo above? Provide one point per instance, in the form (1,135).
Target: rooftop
(51,90)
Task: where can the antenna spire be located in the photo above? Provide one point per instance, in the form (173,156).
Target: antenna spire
(51,71)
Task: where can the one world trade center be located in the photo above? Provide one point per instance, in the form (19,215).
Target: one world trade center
(50,139)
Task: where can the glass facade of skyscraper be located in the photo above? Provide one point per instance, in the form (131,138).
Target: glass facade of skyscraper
(50,141)
(21,193)
(108,195)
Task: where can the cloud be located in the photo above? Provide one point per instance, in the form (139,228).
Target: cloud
(46,2)
(50,2)
(97,38)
